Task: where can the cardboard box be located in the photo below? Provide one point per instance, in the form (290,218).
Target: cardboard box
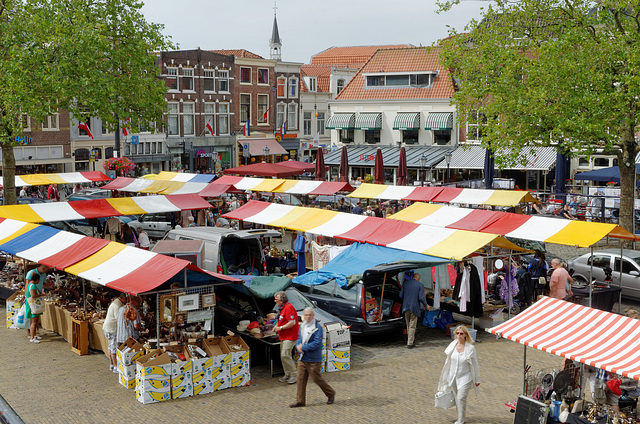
(130,351)
(128,383)
(127,371)
(180,367)
(333,366)
(221,377)
(203,387)
(240,351)
(200,364)
(152,397)
(338,336)
(338,359)
(221,362)
(241,380)
(153,377)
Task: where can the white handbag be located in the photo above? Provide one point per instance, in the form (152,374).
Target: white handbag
(445,399)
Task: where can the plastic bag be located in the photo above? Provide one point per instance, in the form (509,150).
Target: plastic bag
(20,317)
(429,317)
(443,319)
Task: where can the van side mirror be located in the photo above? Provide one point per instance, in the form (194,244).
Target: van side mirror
(634,273)
(140,218)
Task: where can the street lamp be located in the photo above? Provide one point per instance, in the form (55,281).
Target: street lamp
(266,154)
(447,158)
(423,163)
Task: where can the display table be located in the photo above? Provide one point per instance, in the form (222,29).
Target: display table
(269,344)
(575,419)
(6,292)
(97,340)
(602,299)
(59,320)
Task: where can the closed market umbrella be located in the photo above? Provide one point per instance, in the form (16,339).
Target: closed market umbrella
(489,166)
(344,166)
(402,168)
(562,172)
(378,171)
(320,168)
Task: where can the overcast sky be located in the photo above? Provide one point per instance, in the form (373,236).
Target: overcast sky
(306,27)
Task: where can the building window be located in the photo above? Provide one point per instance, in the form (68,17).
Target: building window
(313,84)
(245,107)
(26,122)
(372,136)
(292,119)
(188,118)
(293,88)
(127,149)
(173,118)
(153,148)
(245,75)
(263,76)
(410,136)
(209,119)
(340,85)
(476,126)
(51,123)
(346,136)
(442,138)
(187,79)
(306,123)
(223,118)
(406,80)
(223,81)
(209,80)
(280,115)
(108,152)
(263,106)
(82,154)
(172,78)
(282,87)
(159,147)
(375,81)
(147,148)
(320,123)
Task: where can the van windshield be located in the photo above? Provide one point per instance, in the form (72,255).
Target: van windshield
(297,300)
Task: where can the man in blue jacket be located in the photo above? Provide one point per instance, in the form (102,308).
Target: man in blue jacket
(309,346)
(412,295)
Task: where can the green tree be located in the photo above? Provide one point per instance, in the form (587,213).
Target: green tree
(554,73)
(89,57)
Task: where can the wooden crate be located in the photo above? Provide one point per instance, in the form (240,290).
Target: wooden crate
(80,337)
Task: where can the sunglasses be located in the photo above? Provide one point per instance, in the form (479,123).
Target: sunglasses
(460,334)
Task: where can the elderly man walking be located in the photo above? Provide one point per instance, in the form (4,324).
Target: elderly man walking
(412,295)
(559,285)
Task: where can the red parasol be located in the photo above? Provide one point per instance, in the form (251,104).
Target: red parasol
(320,168)
(344,166)
(378,172)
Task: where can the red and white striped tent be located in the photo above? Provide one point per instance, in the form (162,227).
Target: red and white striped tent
(591,336)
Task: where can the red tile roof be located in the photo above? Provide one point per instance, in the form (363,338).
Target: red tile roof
(353,56)
(401,60)
(238,53)
(321,72)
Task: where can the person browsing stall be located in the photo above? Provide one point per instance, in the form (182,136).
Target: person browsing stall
(560,284)
(287,328)
(143,239)
(33,292)
(461,370)
(309,346)
(412,295)
(110,329)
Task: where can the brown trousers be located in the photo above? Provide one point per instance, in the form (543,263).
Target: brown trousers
(306,369)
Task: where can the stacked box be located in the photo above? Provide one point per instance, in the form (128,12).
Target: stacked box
(240,361)
(221,362)
(202,369)
(339,359)
(153,377)
(181,372)
(13,306)
(127,354)
(338,336)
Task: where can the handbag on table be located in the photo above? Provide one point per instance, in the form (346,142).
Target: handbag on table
(445,399)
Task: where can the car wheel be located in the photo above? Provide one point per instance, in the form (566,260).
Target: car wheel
(579,279)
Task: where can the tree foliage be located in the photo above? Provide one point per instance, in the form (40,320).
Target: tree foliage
(90,57)
(554,73)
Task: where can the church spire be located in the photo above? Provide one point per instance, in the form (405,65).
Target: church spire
(275,43)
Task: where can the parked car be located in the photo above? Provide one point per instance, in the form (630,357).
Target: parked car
(157,225)
(90,194)
(350,303)
(28,200)
(610,258)
(235,303)
(228,251)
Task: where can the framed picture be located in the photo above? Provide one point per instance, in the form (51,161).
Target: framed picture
(188,302)
(208,300)
(181,318)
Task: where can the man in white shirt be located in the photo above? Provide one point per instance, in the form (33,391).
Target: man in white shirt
(143,239)
(110,328)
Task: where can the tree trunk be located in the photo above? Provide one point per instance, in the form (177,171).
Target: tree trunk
(627,166)
(8,174)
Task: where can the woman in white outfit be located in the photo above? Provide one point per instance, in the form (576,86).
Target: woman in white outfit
(460,371)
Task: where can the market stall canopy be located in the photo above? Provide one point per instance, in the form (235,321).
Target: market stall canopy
(155,186)
(256,146)
(473,157)
(280,186)
(429,240)
(358,258)
(64,178)
(102,208)
(597,338)
(443,195)
(537,228)
(277,169)
(605,175)
(107,263)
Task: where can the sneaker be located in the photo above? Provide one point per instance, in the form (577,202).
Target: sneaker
(38,338)
(115,370)
(34,340)
(291,380)
(283,379)
(111,367)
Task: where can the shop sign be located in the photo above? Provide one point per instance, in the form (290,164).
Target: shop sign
(278,137)
(204,154)
(135,139)
(25,139)
(367,157)
(290,136)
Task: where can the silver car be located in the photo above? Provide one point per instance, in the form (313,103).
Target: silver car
(610,258)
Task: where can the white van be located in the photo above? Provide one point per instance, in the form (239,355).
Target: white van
(228,251)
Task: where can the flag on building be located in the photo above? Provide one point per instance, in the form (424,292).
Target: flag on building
(209,126)
(316,139)
(84,126)
(283,129)
(266,115)
(125,128)
(246,130)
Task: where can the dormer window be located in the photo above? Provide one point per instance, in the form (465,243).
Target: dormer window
(420,80)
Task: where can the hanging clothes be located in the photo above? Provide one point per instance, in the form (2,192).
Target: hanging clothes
(440,281)
(509,286)
(478,261)
(336,250)
(473,303)
(320,255)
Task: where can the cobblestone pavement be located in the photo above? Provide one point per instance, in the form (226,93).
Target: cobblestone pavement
(387,383)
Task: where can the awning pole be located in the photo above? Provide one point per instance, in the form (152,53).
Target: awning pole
(620,280)
(507,273)
(185,277)
(158,320)
(590,275)
(524,371)
(84,295)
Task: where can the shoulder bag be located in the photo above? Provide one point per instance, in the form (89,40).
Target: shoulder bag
(36,305)
(445,399)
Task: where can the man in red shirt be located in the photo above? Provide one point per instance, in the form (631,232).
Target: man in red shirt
(287,328)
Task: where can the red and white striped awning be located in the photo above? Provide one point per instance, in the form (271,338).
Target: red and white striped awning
(63,178)
(591,336)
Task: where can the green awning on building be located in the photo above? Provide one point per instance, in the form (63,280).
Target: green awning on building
(407,121)
(341,121)
(439,121)
(369,121)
